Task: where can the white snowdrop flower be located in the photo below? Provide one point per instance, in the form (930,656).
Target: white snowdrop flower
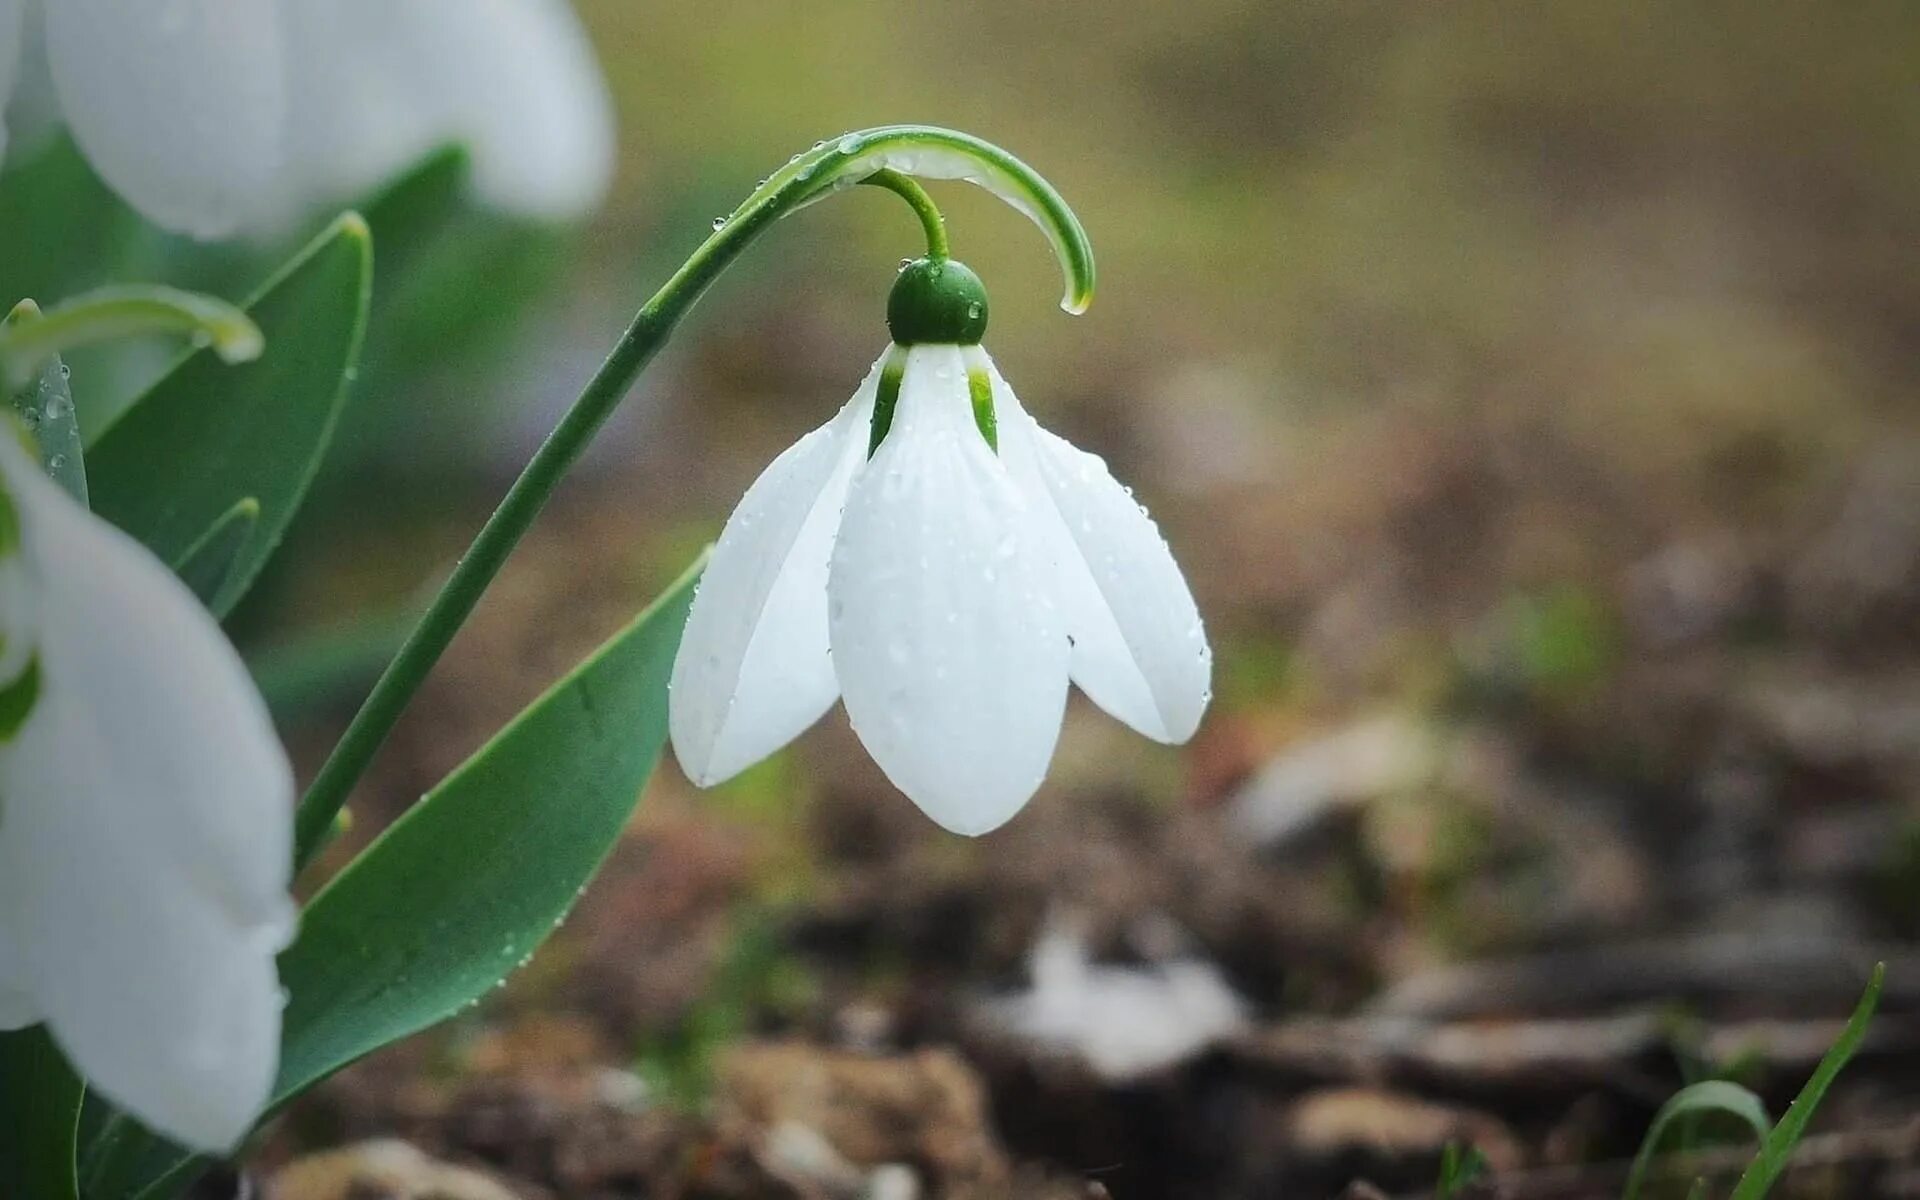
(145,823)
(944,565)
(216,116)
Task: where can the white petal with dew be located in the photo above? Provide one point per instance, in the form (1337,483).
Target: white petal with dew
(753,669)
(179,105)
(1139,648)
(378,84)
(147,832)
(951,654)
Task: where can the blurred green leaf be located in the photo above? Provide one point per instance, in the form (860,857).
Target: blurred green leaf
(39,1117)
(1459,1167)
(1711,1095)
(173,466)
(65,230)
(210,563)
(1776,1149)
(313,669)
(413,209)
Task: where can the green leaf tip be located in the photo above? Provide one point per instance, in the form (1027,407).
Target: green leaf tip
(931,152)
(212,560)
(352,225)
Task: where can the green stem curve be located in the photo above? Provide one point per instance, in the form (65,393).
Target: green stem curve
(902,150)
(923,206)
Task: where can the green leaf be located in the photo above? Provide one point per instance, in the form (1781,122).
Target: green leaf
(39,1117)
(45,406)
(1777,1148)
(413,209)
(207,436)
(211,562)
(65,230)
(461,890)
(1711,1095)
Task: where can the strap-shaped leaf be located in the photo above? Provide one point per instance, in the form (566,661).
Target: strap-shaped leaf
(209,435)
(39,1117)
(460,891)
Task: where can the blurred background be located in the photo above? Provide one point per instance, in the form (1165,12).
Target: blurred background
(1530,395)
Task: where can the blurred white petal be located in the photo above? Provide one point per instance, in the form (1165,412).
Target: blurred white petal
(1139,649)
(13,33)
(376,84)
(146,838)
(32,109)
(951,654)
(179,105)
(754,669)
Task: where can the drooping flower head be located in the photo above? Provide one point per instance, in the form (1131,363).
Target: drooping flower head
(942,564)
(145,822)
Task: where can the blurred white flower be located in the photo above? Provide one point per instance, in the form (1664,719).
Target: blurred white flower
(945,591)
(145,823)
(212,117)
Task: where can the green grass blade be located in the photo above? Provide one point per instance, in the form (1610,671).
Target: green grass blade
(1777,1149)
(1712,1095)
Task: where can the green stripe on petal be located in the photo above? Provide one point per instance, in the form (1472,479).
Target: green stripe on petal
(887,398)
(17,700)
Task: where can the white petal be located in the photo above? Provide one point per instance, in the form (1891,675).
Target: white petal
(951,654)
(147,831)
(1139,649)
(32,110)
(753,669)
(179,105)
(378,83)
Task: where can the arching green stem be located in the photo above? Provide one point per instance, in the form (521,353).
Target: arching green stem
(923,206)
(908,150)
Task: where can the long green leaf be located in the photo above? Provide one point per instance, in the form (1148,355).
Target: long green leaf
(1777,1150)
(460,891)
(173,466)
(39,1117)
(1711,1095)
